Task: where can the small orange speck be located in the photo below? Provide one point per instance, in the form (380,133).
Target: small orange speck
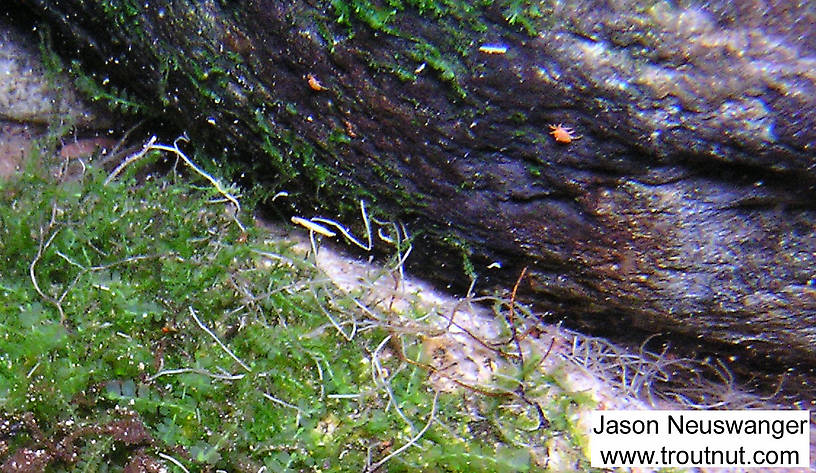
(563,134)
(349,129)
(314,83)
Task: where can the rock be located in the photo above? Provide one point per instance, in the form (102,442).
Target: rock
(28,92)
(33,97)
(15,141)
(686,207)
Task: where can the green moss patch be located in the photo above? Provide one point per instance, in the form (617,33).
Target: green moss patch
(141,328)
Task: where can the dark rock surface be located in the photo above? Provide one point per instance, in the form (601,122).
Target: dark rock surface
(687,206)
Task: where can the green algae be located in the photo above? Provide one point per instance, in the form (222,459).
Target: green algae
(141,299)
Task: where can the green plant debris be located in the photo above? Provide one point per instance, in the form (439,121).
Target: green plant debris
(465,23)
(116,99)
(524,14)
(140,326)
(466,252)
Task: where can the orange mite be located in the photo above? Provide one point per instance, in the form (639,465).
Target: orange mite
(349,129)
(563,134)
(314,83)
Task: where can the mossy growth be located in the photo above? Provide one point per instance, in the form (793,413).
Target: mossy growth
(464,22)
(116,99)
(141,325)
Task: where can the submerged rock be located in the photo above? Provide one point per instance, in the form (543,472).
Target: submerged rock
(29,93)
(682,205)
